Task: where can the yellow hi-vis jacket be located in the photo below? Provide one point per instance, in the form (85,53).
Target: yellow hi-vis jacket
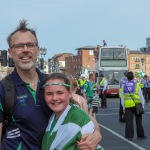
(141,85)
(129,97)
(77,82)
(102,84)
(120,92)
(82,82)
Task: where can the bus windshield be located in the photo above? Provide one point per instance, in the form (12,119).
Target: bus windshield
(113,77)
(113,53)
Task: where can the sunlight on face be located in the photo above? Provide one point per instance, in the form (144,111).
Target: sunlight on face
(57,97)
(26,58)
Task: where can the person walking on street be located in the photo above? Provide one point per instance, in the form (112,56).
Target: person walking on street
(82,81)
(96,102)
(146,90)
(131,92)
(103,90)
(31,113)
(88,92)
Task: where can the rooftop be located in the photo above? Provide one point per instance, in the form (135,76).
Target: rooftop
(88,47)
(139,52)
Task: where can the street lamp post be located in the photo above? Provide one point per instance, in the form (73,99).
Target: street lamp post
(142,60)
(43,52)
(51,66)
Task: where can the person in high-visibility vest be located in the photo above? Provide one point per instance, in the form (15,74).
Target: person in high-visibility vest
(103,90)
(78,91)
(82,81)
(131,94)
(121,83)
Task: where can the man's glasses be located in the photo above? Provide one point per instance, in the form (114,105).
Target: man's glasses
(19,47)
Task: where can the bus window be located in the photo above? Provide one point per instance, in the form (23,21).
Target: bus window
(119,53)
(118,75)
(109,76)
(113,77)
(106,53)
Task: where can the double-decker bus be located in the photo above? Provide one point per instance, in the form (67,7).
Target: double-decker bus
(112,63)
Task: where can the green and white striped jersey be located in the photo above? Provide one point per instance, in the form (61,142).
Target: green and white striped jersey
(68,129)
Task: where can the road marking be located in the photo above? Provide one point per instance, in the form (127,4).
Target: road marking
(106,114)
(121,137)
(114,114)
(110,108)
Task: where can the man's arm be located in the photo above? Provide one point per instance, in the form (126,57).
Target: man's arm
(0,134)
(0,131)
(90,141)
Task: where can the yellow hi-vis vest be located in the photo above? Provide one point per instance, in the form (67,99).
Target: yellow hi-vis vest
(77,82)
(102,83)
(82,82)
(141,85)
(128,98)
(120,92)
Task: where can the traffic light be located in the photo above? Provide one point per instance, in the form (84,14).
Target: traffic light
(3,58)
(10,63)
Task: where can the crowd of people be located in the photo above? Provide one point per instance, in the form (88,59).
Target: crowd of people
(93,91)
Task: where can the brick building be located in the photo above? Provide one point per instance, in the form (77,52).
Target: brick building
(139,61)
(76,64)
(57,62)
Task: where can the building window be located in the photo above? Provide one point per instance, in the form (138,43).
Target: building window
(137,59)
(79,52)
(90,52)
(137,66)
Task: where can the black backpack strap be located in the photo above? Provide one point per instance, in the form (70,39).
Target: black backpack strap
(9,92)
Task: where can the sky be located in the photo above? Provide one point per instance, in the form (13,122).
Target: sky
(64,25)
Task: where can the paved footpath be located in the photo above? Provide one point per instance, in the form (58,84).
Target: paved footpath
(113,131)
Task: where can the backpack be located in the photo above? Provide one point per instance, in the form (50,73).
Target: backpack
(9,92)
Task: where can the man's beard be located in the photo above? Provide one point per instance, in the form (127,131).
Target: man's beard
(25,66)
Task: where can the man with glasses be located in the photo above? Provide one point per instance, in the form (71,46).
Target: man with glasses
(31,114)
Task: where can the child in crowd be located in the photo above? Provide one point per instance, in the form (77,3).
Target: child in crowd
(96,103)
(68,122)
